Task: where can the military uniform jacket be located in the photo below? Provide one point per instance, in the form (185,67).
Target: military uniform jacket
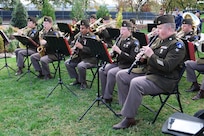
(164,64)
(189,36)
(34,35)
(85,54)
(129,47)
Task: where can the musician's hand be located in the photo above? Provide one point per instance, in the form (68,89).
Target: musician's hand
(72,50)
(43,42)
(116,49)
(147,51)
(79,45)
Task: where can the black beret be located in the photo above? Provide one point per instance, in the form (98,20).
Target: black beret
(126,24)
(187,21)
(132,20)
(84,22)
(165,19)
(93,16)
(48,19)
(106,17)
(32,19)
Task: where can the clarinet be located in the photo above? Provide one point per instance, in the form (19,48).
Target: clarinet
(142,52)
(75,48)
(112,52)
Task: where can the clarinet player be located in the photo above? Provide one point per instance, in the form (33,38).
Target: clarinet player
(162,73)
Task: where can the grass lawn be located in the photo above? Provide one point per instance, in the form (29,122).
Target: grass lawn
(26,111)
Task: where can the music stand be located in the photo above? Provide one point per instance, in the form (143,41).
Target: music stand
(28,42)
(141,37)
(64,27)
(150,26)
(113,32)
(60,46)
(6,41)
(99,50)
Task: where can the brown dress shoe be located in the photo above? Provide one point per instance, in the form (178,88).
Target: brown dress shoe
(199,95)
(75,83)
(125,123)
(83,86)
(193,89)
(19,72)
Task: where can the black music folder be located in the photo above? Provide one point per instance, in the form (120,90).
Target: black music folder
(150,26)
(141,37)
(58,45)
(25,40)
(5,38)
(98,49)
(113,32)
(64,27)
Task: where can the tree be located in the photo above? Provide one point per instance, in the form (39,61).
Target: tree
(78,9)
(102,11)
(119,18)
(48,10)
(19,16)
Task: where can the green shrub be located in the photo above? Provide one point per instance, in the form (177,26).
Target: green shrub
(12,46)
(1,21)
(1,44)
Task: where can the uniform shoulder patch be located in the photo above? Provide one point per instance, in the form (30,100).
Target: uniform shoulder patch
(179,45)
(136,42)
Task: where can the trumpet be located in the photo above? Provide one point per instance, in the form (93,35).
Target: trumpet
(74,27)
(141,53)
(101,27)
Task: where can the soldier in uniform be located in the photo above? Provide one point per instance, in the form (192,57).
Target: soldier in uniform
(162,73)
(104,34)
(125,52)
(81,57)
(187,32)
(92,18)
(43,69)
(134,26)
(20,52)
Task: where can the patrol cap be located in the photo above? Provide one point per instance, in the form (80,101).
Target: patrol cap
(84,22)
(187,21)
(126,24)
(165,19)
(93,16)
(32,19)
(132,20)
(47,19)
(106,17)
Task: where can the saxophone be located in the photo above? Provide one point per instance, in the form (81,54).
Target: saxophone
(41,49)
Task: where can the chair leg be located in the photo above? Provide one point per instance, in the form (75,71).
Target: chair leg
(162,105)
(94,76)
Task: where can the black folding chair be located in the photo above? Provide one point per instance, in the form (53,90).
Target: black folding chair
(163,97)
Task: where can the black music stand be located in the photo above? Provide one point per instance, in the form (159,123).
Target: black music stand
(99,50)
(6,41)
(64,27)
(150,26)
(141,37)
(59,46)
(29,43)
(113,32)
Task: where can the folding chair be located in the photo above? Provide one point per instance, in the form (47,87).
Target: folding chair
(55,66)
(167,96)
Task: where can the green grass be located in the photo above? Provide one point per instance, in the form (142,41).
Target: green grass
(26,111)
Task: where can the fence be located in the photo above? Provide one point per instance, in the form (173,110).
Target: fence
(66,15)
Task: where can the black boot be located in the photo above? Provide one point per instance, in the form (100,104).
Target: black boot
(40,75)
(19,71)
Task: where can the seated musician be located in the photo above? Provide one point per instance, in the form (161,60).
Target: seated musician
(162,74)
(134,25)
(187,31)
(92,19)
(81,56)
(124,51)
(32,32)
(44,57)
(103,33)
